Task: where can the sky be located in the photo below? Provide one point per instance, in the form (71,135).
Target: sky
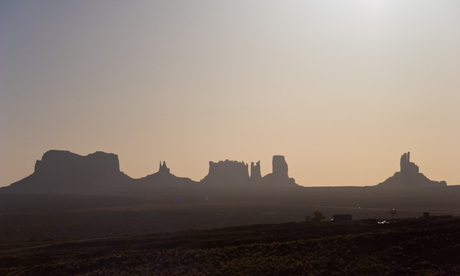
(340,88)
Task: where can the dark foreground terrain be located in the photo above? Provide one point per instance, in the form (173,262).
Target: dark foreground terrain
(419,246)
(27,220)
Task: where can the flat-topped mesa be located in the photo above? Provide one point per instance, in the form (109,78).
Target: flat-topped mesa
(59,162)
(255,171)
(227,172)
(65,172)
(409,176)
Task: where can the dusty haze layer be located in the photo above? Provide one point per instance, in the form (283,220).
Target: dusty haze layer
(339,88)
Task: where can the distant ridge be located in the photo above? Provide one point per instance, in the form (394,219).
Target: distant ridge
(227,194)
(64,172)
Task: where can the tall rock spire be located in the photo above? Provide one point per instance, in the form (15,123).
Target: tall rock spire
(279,176)
(408,167)
(280,167)
(163,168)
(409,176)
(255,171)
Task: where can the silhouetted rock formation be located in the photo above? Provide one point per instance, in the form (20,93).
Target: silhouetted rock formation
(55,161)
(231,174)
(255,172)
(410,177)
(227,173)
(407,167)
(65,172)
(280,167)
(96,173)
(99,173)
(162,179)
(163,168)
(279,177)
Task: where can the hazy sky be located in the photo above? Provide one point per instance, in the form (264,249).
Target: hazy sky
(341,88)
